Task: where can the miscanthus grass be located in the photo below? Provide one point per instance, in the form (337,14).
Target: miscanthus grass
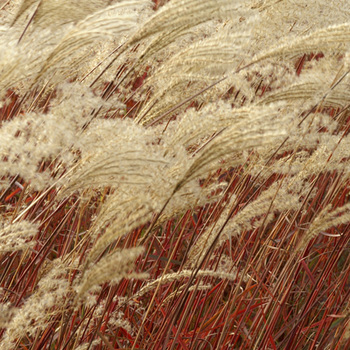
(174,174)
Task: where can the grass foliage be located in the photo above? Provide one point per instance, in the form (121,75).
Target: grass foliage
(174,174)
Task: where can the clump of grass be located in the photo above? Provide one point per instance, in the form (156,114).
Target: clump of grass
(174,174)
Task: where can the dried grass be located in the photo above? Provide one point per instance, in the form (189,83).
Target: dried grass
(174,174)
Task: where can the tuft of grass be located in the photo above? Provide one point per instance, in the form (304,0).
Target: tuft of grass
(174,174)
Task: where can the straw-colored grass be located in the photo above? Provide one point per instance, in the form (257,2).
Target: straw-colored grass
(174,174)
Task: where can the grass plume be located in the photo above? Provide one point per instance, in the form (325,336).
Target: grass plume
(174,174)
